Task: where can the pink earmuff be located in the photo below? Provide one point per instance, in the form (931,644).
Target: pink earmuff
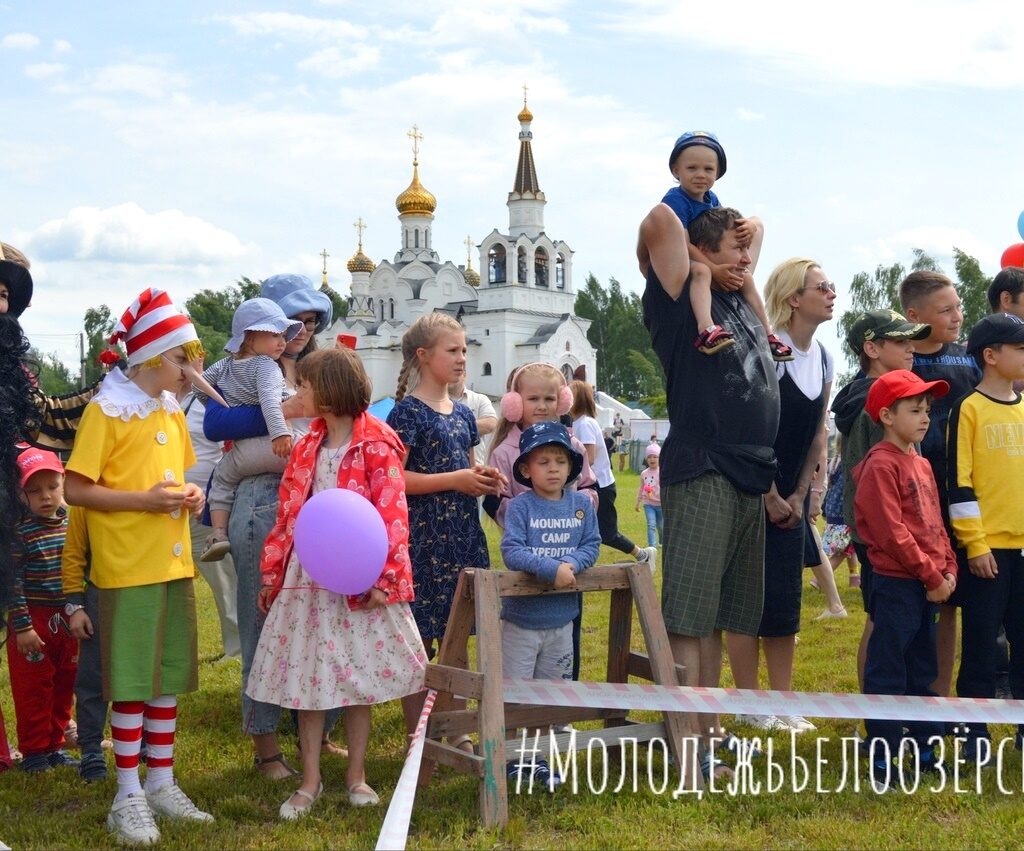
(512,402)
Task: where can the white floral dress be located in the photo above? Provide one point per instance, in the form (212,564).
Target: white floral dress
(315,652)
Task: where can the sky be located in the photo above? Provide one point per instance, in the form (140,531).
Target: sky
(183,145)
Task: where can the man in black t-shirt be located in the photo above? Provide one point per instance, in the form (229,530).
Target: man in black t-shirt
(718,458)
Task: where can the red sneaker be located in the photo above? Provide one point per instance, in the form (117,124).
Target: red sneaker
(713,339)
(780,351)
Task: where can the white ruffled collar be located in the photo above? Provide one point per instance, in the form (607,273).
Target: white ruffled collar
(122,398)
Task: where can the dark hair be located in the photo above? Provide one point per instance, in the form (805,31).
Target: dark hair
(707,230)
(927,396)
(338,380)
(979,356)
(1010,280)
(919,285)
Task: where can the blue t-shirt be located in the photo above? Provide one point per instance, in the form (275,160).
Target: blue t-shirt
(539,535)
(685,207)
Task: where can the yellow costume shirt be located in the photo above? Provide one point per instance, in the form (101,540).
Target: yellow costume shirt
(129,441)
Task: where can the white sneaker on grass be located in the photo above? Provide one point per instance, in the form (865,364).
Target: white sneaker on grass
(648,556)
(763,722)
(798,723)
(171,802)
(131,821)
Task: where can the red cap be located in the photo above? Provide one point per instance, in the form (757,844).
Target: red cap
(900,384)
(31,461)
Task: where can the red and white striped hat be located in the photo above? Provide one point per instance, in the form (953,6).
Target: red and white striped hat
(152,326)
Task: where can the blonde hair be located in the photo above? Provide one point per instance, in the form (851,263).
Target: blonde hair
(11,254)
(193,351)
(583,404)
(422,334)
(786,280)
(514,382)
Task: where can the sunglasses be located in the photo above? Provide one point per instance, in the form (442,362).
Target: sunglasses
(823,287)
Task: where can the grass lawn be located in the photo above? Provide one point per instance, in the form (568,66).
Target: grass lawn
(214,764)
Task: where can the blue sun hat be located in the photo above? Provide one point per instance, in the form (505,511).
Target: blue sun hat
(295,294)
(260,314)
(698,137)
(546,434)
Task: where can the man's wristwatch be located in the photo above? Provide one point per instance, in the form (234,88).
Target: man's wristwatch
(71,608)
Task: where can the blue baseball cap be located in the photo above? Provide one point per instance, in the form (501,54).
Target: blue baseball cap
(260,314)
(546,434)
(296,294)
(698,137)
(994,329)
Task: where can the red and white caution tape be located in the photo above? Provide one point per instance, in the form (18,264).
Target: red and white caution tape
(761,702)
(395,830)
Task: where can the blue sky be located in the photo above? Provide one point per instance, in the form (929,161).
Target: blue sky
(184,144)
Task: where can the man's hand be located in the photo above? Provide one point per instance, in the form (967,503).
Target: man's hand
(565,578)
(777,508)
(984,567)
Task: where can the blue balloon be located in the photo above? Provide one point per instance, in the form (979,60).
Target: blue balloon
(1020,225)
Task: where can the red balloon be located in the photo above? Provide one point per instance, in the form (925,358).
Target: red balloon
(1013,256)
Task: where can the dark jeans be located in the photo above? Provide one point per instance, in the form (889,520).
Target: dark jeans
(987,605)
(901,654)
(608,521)
(90,707)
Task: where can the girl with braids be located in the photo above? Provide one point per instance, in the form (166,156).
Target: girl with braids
(442,480)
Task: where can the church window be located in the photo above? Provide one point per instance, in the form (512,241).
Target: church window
(540,267)
(391,308)
(560,272)
(568,346)
(521,265)
(487,369)
(406,239)
(416,238)
(496,264)
(381,310)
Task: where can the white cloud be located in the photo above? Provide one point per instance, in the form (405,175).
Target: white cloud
(335,63)
(915,42)
(938,241)
(19,41)
(127,233)
(296,28)
(61,46)
(744,114)
(42,70)
(142,80)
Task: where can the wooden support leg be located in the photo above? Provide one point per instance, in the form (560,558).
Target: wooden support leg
(493,787)
(620,632)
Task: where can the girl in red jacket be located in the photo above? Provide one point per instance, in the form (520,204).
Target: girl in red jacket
(319,650)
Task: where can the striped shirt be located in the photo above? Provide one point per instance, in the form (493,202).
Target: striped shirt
(251,381)
(37,578)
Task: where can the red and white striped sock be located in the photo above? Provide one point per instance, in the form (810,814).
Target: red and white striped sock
(160,719)
(126,730)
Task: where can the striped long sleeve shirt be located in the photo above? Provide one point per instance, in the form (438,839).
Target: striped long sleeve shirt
(38,580)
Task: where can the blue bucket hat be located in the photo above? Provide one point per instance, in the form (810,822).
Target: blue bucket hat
(547,434)
(295,294)
(259,314)
(698,137)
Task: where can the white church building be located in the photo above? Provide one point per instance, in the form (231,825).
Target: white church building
(521,311)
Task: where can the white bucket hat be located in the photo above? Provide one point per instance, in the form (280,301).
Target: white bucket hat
(260,314)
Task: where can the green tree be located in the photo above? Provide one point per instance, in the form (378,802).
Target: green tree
(55,378)
(972,285)
(211,312)
(99,325)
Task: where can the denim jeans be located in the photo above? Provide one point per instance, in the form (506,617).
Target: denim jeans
(655,523)
(252,518)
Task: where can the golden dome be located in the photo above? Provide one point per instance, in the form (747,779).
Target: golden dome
(416,200)
(360,262)
(525,114)
(472,278)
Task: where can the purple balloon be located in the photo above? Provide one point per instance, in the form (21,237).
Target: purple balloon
(341,541)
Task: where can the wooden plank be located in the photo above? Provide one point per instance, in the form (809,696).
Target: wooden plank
(620,634)
(491,707)
(453,681)
(610,736)
(640,666)
(466,763)
(458,722)
(606,577)
(678,725)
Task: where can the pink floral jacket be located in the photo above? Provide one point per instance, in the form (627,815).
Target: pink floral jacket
(371,466)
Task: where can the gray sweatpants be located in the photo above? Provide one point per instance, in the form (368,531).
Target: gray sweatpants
(249,457)
(90,707)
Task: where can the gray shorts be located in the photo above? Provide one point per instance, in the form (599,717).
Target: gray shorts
(713,557)
(250,457)
(536,654)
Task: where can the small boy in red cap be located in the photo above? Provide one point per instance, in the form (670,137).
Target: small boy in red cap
(41,653)
(898,515)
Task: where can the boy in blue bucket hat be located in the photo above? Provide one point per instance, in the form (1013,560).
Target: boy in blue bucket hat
(697,161)
(260,330)
(552,533)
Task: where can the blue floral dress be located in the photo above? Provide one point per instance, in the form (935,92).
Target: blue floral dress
(444,528)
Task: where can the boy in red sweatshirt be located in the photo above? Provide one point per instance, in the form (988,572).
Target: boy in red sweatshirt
(898,515)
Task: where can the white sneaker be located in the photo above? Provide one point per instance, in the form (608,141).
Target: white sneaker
(762,722)
(648,556)
(171,802)
(131,821)
(798,723)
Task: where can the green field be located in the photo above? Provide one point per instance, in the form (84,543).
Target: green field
(214,765)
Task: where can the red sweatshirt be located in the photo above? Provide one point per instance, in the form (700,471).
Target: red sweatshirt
(896,507)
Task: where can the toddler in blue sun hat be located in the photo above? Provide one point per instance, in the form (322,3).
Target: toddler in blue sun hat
(697,161)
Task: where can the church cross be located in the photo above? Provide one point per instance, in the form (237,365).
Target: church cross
(468,242)
(360,226)
(325,255)
(416,137)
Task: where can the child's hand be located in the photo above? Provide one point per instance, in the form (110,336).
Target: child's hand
(161,499)
(29,642)
(475,481)
(80,625)
(984,566)
(500,480)
(265,598)
(282,445)
(951,582)
(726,276)
(195,499)
(637,506)
(745,231)
(939,595)
(565,578)
(375,598)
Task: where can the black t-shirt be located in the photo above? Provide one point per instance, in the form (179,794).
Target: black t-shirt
(723,409)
